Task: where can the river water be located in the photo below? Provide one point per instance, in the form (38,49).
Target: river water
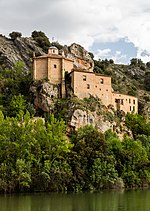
(138,200)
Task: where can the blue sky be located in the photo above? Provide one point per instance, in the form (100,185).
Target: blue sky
(121,51)
(117,29)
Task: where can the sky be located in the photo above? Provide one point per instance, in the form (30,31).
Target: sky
(112,29)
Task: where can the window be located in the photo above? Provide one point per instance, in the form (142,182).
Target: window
(106,90)
(129,100)
(121,101)
(130,108)
(91,121)
(53,51)
(133,108)
(55,65)
(88,86)
(84,77)
(101,80)
(133,101)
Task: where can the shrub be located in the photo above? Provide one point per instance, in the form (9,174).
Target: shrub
(41,39)
(14,35)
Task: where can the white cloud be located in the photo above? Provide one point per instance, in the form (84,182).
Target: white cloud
(104,53)
(144,56)
(117,56)
(84,22)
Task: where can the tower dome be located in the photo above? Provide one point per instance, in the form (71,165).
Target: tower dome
(53,50)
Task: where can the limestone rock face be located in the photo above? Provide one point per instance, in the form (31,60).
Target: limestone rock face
(136,72)
(81,118)
(81,57)
(44,92)
(20,49)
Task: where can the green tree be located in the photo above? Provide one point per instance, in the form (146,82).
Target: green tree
(17,104)
(15,81)
(89,144)
(147,81)
(104,173)
(41,39)
(23,174)
(50,149)
(14,35)
(31,152)
(134,159)
(137,124)
(148,65)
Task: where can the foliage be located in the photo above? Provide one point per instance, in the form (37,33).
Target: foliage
(132,158)
(14,35)
(137,124)
(147,81)
(15,84)
(137,63)
(41,39)
(62,106)
(30,150)
(17,104)
(101,66)
(35,154)
(104,173)
(88,158)
(148,65)
(91,55)
(57,45)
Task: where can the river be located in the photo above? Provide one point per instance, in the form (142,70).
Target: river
(138,200)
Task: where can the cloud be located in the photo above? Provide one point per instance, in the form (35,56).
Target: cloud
(117,56)
(143,55)
(84,22)
(103,53)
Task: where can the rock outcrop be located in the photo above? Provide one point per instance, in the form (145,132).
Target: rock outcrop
(20,49)
(43,93)
(123,76)
(81,118)
(81,57)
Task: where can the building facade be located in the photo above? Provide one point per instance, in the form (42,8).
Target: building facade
(53,66)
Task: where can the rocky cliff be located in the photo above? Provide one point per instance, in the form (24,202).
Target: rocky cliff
(126,79)
(81,57)
(19,49)
(22,48)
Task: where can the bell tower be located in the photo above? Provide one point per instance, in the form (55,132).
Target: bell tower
(53,50)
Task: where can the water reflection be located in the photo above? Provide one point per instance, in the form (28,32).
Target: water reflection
(102,201)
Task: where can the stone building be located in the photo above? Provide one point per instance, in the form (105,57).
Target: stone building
(52,67)
(84,82)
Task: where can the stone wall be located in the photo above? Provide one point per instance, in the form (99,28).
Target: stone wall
(85,84)
(126,103)
(40,68)
(52,67)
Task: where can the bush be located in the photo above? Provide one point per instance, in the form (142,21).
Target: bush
(41,39)
(14,35)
